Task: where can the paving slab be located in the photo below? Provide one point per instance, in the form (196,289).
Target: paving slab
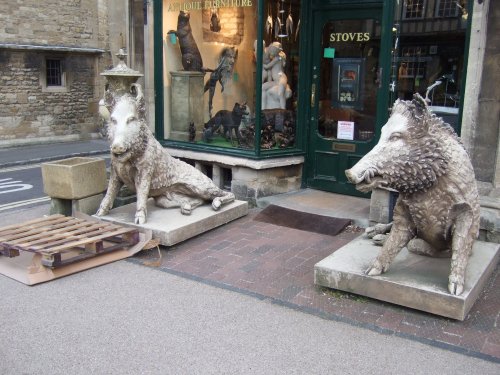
(171,227)
(413,280)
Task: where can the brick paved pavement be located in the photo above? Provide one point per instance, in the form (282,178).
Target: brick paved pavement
(276,263)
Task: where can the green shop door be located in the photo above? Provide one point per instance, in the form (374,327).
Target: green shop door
(348,99)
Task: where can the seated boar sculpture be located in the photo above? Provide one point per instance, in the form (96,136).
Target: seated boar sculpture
(437,212)
(144,166)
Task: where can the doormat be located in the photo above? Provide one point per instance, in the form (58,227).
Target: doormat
(287,217)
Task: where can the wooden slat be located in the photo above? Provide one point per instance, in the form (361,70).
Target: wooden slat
(31,222)
(45,231)
(33,229)
(62,240)
(92,239)
(53,236)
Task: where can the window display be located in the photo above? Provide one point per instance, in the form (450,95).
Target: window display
(431,61)
(209,73)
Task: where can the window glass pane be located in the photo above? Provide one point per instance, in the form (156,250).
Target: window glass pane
(447,8)
(429,57)
(281,30)
(414,8)
(349,78)
(53,72)
(209,70)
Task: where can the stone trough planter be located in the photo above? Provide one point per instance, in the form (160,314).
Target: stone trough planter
(74,178)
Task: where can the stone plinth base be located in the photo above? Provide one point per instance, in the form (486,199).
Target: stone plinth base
(413,281)
(186,103)
(68,207)
(171,227)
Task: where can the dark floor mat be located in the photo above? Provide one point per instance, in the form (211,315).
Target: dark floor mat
(287,217)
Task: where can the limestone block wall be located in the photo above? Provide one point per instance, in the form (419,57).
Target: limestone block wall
(26,111)
(53,22)
(75,31)
(251,184)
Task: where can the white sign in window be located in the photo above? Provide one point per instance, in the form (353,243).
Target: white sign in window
(345,130)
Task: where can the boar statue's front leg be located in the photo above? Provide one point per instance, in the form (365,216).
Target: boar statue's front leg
(403,230)
(142,185)
(114,186)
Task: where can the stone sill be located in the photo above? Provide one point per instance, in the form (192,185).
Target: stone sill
(233,161)
(51,48)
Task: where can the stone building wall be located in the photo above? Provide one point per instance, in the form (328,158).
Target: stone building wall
(27,112)
(50,22)
(75,31)
(487,132)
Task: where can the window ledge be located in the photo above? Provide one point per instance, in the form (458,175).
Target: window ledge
(235,161)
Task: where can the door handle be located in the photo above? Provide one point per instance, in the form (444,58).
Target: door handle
(313,95)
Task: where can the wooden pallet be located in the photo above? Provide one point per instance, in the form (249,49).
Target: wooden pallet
(62,240)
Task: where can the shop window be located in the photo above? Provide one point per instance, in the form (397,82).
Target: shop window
(430,60)
(414,9)
(210,74)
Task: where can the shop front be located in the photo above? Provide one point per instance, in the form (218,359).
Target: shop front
(270,96)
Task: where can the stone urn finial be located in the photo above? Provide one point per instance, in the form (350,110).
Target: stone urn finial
(121,76)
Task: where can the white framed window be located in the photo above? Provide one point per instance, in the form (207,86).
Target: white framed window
(446,8)
(414,62)
(413,9)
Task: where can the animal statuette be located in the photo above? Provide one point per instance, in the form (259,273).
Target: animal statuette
(143,165)
(191,56)
(437,212)
(229,120)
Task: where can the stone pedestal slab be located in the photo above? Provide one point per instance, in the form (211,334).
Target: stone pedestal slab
(171,227)
(413,281)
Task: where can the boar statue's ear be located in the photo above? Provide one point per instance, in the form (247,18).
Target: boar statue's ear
(420,113)
(136,92)
(420,104)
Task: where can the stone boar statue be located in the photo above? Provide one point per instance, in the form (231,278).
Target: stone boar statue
(144,166)
(437,212)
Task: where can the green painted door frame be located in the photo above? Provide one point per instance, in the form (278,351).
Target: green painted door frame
(327,157)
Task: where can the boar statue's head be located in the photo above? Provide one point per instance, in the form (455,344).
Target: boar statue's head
(127,123)
(409,156)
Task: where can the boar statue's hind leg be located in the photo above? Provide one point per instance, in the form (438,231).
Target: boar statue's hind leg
(170,200)
(378,233)
(461,246)
(224,199)
(421,247)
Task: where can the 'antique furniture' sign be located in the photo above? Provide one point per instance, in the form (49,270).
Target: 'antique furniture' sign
(207,4)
